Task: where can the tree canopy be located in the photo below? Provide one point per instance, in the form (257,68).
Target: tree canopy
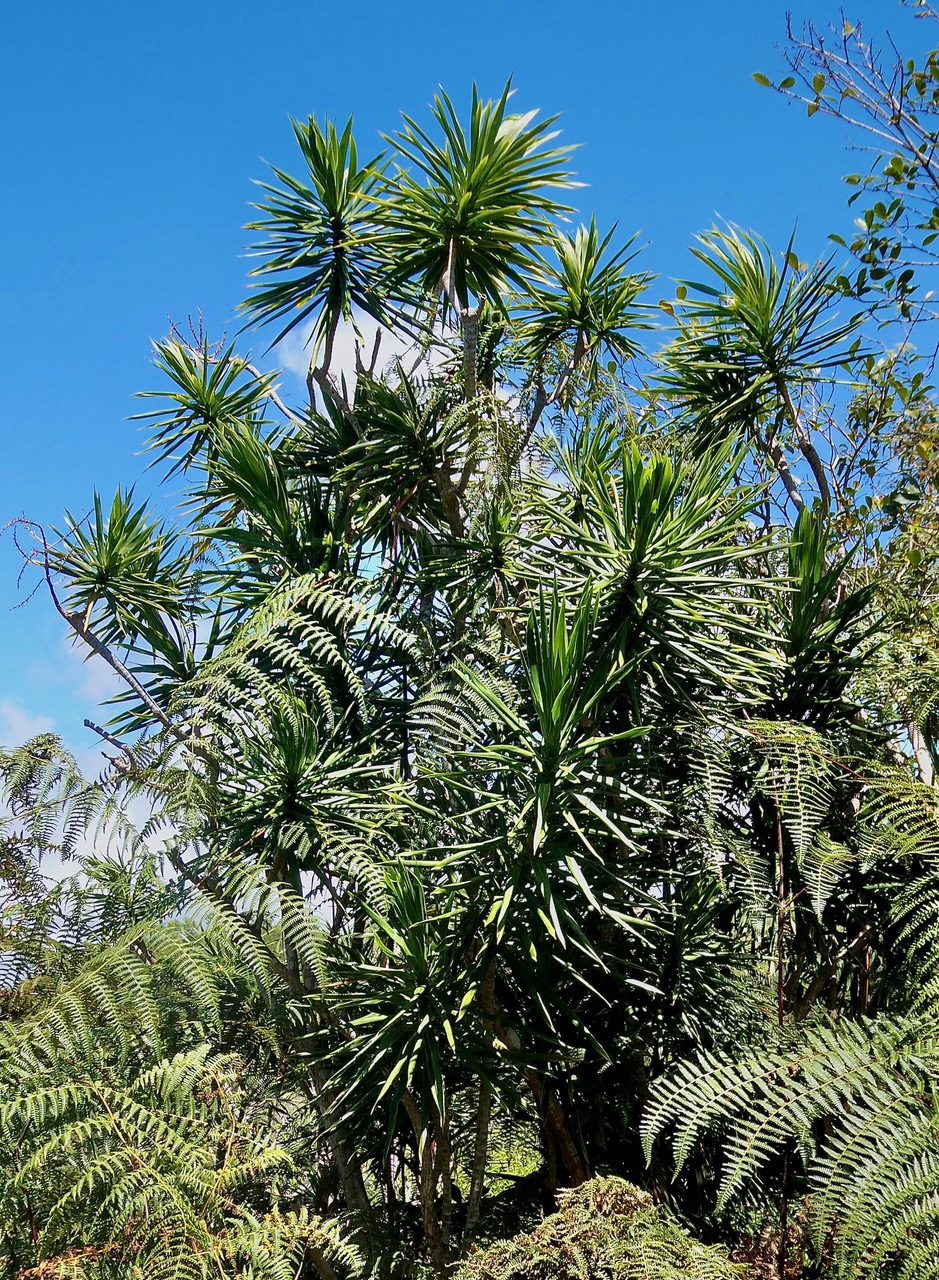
(522,786)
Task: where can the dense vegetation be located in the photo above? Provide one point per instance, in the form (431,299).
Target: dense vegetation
(524,771)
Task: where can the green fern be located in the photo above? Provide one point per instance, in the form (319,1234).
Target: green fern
(604,1229)
(869,1087)
(124,1154)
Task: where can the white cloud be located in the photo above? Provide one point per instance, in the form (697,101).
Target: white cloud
(79,688)
(293,354)
(91,675)
(91,680)
(18,725)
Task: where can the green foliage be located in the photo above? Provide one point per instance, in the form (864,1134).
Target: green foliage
(496,764)
(131,1143)
(891,102)
(758,331)
(858,1100)
(606,1228)
(148,1172)
(321,256)
(467,221)
(587,298)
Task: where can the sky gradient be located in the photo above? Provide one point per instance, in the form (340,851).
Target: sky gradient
(131,134)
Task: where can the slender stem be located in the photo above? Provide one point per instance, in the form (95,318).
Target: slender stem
(330,388)
(773,450)
(804,442)
(427,1182)
(924,764)
(483,1113)
(444,1173)
(781,907)
(480,1157)
(31,1219)
(450,500)
(554,1123)
(330,343)
(544,399)
(115,742)
(470,318)
(272,395)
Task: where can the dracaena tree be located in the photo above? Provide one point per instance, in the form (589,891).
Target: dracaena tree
(497,733)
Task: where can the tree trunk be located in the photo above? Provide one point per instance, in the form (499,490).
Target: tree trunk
(428,1140)
(470,318)
(348,1168)
(553,1121)
(480,1156)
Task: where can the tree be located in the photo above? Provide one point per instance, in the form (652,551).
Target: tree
(503,735)
(890,103)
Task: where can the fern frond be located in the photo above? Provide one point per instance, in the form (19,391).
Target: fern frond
(875,1178)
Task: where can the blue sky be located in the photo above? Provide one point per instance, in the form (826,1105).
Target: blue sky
(131,133)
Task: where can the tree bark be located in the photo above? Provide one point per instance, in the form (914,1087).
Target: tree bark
(553,1120)
(480,1157)
(428,1171)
